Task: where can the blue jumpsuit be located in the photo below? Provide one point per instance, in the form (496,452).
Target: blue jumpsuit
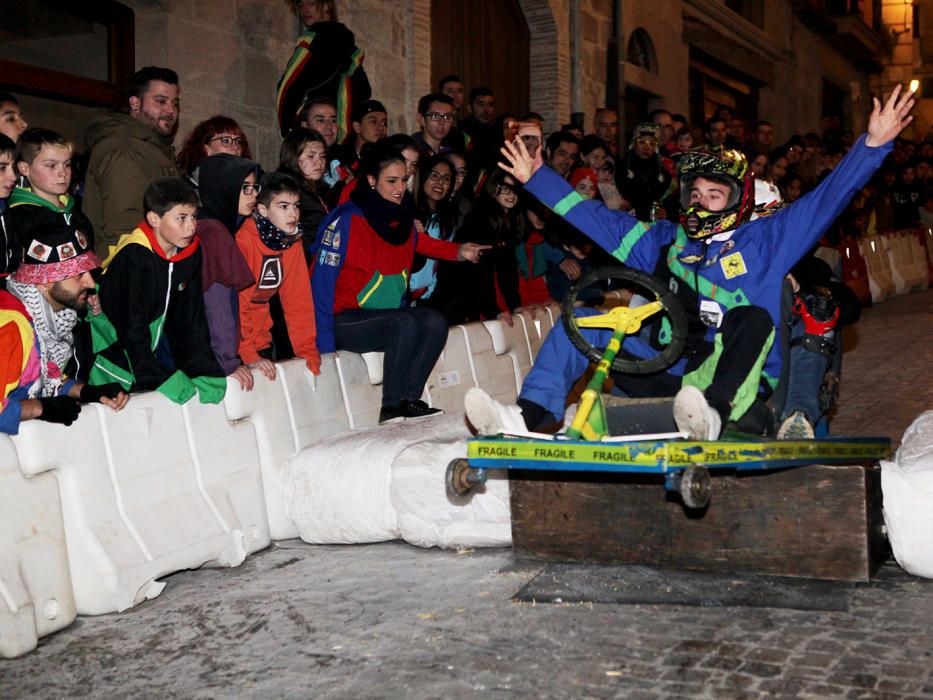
(742,267)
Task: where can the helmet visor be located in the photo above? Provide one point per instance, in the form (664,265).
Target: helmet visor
(710,192)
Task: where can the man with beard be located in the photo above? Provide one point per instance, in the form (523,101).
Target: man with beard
(128,151)
(40,321)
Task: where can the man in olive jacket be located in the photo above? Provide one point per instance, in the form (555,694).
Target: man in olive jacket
(128,151)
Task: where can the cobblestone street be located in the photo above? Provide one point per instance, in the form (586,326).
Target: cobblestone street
(391,620)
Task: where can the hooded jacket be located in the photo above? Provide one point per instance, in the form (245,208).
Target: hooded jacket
(126,155)
(224,271)
(28,211)
(152,333)
(325,62)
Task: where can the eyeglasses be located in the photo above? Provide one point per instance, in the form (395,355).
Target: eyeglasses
(646,141)
(440,116)
(435,176)
(503,189)
(228,141)
(249,188)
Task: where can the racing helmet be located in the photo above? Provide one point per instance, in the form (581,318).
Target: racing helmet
(768,199)
(728,167)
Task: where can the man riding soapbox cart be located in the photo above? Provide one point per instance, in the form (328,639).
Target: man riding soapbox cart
(616,435)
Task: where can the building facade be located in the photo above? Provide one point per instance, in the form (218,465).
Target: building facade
(791,61)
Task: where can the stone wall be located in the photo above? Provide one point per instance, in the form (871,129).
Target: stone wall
(230,56)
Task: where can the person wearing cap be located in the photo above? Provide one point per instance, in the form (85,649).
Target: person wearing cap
(646,179)
(47,296)
(728,273)
(326,62)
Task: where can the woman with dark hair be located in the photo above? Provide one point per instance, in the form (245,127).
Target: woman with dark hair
(363,259)
(490,289)
(219,134)
(436,176)
(303,156)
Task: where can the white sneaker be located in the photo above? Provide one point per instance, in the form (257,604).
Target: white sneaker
(795,427)
(694,416)
(490,417)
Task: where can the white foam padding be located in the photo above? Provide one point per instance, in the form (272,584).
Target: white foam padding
(36,596)
(907,489)
(137,499)
(287,414)
(388,482)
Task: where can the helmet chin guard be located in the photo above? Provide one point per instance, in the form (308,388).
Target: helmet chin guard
(728,167)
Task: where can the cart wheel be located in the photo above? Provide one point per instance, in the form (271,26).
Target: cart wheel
(695,486)
(461,478)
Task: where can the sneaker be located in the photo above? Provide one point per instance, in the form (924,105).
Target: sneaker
(406,409)
(490,417)
(391,414)
(694,416)
(419,409)
(795,427)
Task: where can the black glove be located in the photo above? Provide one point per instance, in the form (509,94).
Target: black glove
(93,394)
(60,409)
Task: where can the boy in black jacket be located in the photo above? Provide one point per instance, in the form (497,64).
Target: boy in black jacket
(152,334)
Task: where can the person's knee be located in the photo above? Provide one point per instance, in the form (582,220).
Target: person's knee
(749,322)
(431,323)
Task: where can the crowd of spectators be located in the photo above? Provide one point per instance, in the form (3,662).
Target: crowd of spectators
(207,264)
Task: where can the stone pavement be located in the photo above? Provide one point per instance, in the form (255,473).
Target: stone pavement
(393,621)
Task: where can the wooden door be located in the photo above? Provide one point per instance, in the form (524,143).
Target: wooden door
(486,43)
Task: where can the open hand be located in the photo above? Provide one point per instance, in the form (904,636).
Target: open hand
(266,368)
(886,123)
(244,377)
(521,165)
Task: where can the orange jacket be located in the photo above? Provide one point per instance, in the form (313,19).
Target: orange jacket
(276,271)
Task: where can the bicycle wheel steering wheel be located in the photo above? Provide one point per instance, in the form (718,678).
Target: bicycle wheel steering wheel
(668,301)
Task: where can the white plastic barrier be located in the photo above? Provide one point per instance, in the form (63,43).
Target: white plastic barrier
(36,596)
(907,489)
(512,341)
(901,254)
(287,415)
(496,374)
(880,282)
(388,482)
(532,328)
(452,375)
(362,399)
(919,254)
(151,490)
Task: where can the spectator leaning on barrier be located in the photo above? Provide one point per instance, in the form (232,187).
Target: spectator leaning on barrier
(270,241)
(128,151)
(48,295)
(152,332)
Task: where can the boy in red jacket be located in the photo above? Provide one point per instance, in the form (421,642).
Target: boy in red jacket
(270,242)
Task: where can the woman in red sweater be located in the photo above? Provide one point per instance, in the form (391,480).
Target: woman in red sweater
(363,258)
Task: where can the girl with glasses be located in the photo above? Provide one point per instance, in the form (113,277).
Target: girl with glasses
(219,134)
